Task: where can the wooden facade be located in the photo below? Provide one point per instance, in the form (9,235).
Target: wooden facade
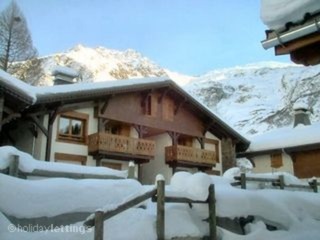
(145,123)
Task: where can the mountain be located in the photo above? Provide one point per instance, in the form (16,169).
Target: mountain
(252,99)
(101,64)
(259,97)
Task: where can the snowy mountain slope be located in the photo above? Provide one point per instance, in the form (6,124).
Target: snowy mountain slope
(252,98)
(259,97)
(101,64)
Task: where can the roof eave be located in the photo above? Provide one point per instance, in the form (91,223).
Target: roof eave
(279,38)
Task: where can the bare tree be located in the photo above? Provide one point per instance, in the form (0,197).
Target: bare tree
(16,43)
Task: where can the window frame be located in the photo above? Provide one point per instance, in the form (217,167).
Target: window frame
(69,138)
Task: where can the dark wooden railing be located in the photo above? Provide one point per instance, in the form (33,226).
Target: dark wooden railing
(104,142)
(178,153)
(157,195)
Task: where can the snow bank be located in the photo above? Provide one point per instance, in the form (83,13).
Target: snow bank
(51,197)
(192,186)
(27,164)
(296,214)
(276,13)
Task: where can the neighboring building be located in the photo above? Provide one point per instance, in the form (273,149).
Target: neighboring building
(295,150)
(152,122)
(293,29)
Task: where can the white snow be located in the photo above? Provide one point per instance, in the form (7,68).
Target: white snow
(294,213)
(260,97)
(51,197)
(65,70)
(286,137)
(27,164)
(276,13)
(19,85)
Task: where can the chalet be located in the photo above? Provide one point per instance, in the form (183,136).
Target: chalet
(293,29)
(150,121)
(295,150)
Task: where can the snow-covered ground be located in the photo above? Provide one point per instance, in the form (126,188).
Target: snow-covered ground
(295,214)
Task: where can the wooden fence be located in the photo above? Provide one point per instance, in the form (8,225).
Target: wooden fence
(157,195)
(277,182)
(13,170)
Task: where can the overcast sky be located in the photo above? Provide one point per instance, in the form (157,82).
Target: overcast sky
(187,36)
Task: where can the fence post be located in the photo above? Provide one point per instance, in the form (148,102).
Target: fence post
(212,213)
(160,207)
(14,166)
(98,225)
(243,181)
(131,170)
(314,185)
(281,181)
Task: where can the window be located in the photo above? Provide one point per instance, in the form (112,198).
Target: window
(168,109)
(73,127)
(276,160)
(150,106)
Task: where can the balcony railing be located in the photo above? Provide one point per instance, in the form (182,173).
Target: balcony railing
(108,144)
(189,155)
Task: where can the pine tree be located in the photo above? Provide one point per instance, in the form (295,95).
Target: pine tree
(16,44)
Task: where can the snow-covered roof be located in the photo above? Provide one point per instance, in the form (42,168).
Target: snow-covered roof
(17,87)
(277,13)
(88,91)
(65,71)
(286,137)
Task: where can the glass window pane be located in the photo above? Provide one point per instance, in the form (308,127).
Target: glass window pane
(64,125)
(76,127)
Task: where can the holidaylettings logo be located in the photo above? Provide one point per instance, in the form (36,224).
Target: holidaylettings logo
(46,229)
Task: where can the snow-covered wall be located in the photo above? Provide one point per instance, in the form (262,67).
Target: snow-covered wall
(263,164)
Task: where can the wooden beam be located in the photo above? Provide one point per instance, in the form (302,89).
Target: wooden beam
(174,137)
(51,118)
(297,44)
(161,209)
(122,207)
(39,125)
(102,122)
(1,110)
(142,130)
(103,106)
(9,118)
(201,140)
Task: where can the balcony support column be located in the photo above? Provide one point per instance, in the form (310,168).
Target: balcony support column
(141,130)
(174,137)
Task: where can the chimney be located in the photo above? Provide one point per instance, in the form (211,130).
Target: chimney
(64,75)
(301,114)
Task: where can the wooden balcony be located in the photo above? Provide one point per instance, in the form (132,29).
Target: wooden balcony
(120,147)
(187,156)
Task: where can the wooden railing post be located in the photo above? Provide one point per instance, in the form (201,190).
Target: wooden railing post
(131,170)
(160,207)
(212,213)
(14,166)
(243,181)
(98,225)
(281,181)
(314,185)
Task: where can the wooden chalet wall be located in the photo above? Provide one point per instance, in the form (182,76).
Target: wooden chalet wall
(167,113)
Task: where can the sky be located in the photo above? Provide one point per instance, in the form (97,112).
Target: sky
(187,36)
